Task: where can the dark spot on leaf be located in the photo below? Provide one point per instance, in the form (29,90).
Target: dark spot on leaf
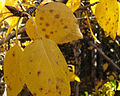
(29,72)
(13,54)
(40,23)
(106,9)
(57,62)
(40,89)
(38,73)
(57,16)
(6,77)
(41,18)
(65,27)
(8,86)
(47,36)
(57,87)
(109,19)
(31,60)
(47,24)
(51,32)
(55,31)
(112,27)
(43,29)
(60,92)
(51,10)
(66,73)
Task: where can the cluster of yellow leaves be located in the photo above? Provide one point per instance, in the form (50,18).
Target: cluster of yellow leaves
(107,15)
(41,66)
(12,20)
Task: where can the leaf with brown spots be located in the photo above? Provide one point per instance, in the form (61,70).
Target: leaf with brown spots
(118,31)
(12,74)
(107,14)
(55,21)
(46,74)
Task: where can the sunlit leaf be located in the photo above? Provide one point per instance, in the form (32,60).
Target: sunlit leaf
(93,7)
(105,66)
(118,31)
(12,74)
(73,4)
(107,13)
(2,4)
(46,68)
(55,21)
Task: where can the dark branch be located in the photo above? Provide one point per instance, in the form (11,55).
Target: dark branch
(105,56)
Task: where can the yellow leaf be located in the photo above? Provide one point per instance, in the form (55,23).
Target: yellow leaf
(55,21)
(73,4)
(105,66)
(74,77)
(118,31)
(12,74)
(45,70)
(93,7)
(111,77)
(2,4)
(107,13)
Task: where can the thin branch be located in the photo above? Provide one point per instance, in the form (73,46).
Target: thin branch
(10,36)
(105,56)
(85,7)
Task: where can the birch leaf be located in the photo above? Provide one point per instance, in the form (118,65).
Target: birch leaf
(12,75)
(73,4)
(46,68)
(118,31)
(55,21)
(107,13)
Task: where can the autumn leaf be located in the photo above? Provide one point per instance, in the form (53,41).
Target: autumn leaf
(73,4)
(46,68)
(107,13)
(12,75)
(53,24)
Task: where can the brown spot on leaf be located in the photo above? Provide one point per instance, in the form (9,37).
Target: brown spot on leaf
(43,29)
(57,16)
(66,73)
(13,54)
(106,9)
(40,23)
(109,19)
(40,89)
(58,56)
(57,87)
(29,72)
(60,92)
(51,10)
(41,18)
(47,36)
(38,73)
(47,24)
(31,60)
(65,27)
(57,62)
(8,86)
(51,32)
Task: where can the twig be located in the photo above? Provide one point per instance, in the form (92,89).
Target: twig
(85,7)
(105,56)
(22,30)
